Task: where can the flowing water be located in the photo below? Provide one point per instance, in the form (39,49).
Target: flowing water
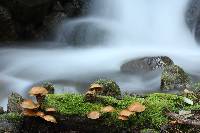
(114,32)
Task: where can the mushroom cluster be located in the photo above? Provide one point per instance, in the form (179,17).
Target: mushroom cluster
(31,108)
(131,110)
(92,92)
(96,115)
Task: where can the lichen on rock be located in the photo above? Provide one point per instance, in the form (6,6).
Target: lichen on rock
(174,77)
(110,88)
(14,101)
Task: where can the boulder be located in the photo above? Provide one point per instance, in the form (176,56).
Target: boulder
(76,8)
(110,88)
(9,127)
(14,101)
(83,33)
(174,78)
(146,64)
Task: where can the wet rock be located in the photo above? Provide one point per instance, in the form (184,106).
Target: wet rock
(9,127)
(14,101)
(76,8)
(146,64)
(174,78)
(83,33)
(192,18)
(7,28)
(110,88)
(50,87)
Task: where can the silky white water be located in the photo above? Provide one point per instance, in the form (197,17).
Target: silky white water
(114,32)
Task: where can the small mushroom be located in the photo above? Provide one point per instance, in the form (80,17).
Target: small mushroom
(96,87)
(136,107)
(126,113)
(93,115)
(40,114)
(39,92)
(50,110)
(123,118)
(29,104)
(50,118)
(108,109)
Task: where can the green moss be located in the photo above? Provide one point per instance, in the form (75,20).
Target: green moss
(110,88)
(14,117)
(153,117)
(174,77)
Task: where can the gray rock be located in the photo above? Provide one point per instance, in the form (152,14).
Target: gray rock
(14,101)
(9,127)
(146,64)
(75,8)
(174,78)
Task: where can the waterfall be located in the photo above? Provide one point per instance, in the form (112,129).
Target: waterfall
(113,32)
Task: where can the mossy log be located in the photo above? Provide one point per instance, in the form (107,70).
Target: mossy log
(72,110)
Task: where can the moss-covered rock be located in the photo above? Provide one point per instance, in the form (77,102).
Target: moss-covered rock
(110,88)
(174,77)
(10,123)
(50,87)
(14,101)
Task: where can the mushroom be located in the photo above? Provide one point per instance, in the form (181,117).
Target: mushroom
(39,92)
(93,115)
(126,113)
(96,87)
(29,104)
(136,107)
(50,118)
(108,109)
(40,114)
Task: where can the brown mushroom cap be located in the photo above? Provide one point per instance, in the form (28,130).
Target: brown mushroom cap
(96,87)
(126,113)
(50,110)
(108,109)
(38,91)
(50,118)
(136,107)
(29,104)
(93,115)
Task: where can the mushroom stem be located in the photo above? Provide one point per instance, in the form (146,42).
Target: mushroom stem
(40,99)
